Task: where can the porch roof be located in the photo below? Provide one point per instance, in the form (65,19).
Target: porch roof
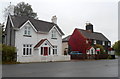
(41,42)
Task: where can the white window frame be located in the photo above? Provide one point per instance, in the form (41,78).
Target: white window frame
(54,34)
(87,42)
(109,43)
(94,41)
(29,47)
(54,50)
(103,43)
(27,31)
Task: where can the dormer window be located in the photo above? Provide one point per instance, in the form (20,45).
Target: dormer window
(94,41)
(103,43)
(27,31)
(54,34)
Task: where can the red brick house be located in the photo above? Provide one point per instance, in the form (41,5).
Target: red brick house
(81,40)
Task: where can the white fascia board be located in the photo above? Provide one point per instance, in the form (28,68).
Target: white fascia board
(11,20)
(47,43)
(30,24)
(56,29)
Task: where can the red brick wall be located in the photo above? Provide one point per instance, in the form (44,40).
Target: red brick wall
(77,42)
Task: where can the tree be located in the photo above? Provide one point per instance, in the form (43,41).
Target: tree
(9,10)
(20,9)
(116,47)
(23,9)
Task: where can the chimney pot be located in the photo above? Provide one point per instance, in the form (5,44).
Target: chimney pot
(54,19)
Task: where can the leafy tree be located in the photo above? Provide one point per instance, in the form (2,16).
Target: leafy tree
(8,10)
(23,9)
(116,47)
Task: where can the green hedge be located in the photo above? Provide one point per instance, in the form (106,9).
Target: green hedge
(8,53)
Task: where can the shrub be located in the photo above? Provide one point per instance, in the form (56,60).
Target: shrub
(116,47)
(8,53)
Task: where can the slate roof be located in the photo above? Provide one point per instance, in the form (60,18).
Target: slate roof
(39,25)
(66,39)
(94,35)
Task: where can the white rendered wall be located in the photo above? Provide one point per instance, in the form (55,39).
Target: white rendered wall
(20,40)
(64,46)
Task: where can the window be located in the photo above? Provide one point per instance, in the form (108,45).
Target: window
(49,50)
(41,50)
(94,41)
(109,44)
(87,42)
(53,34)
(54,50)
(103,43)
(92,51)
(27,49)
(27,31)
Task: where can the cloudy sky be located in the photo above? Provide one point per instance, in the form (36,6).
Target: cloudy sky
(71,14)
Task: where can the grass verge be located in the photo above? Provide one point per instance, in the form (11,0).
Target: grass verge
(11,62)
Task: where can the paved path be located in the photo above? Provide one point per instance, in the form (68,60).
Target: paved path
(96,68)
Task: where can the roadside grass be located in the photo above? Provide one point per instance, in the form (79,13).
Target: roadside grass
(10,62)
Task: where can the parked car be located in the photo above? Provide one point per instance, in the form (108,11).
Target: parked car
(75,52)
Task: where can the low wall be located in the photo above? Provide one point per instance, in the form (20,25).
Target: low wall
(85,56)
(43,58)
(79,56)
(101,56)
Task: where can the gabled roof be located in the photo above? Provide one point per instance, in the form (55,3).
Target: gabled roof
(41,42)
(89,48)
(39,25)
(93,35)
(66,39)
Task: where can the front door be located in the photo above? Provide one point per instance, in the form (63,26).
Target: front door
(45,51)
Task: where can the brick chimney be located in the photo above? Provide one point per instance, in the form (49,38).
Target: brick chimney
(89,27)
(54,19)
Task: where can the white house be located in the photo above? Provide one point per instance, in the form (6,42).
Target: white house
(35,40)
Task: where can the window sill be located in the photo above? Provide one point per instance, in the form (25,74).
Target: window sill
(53,38)
(27,35)
(26,55)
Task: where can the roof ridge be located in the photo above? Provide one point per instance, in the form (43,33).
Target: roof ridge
(29,18)
(94,35)
(86,30)
(20,20)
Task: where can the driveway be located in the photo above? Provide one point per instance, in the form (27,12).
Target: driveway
(94,68)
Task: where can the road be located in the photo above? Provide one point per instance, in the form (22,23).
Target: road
(94,68)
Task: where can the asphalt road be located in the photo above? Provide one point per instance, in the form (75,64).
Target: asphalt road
(95,68)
